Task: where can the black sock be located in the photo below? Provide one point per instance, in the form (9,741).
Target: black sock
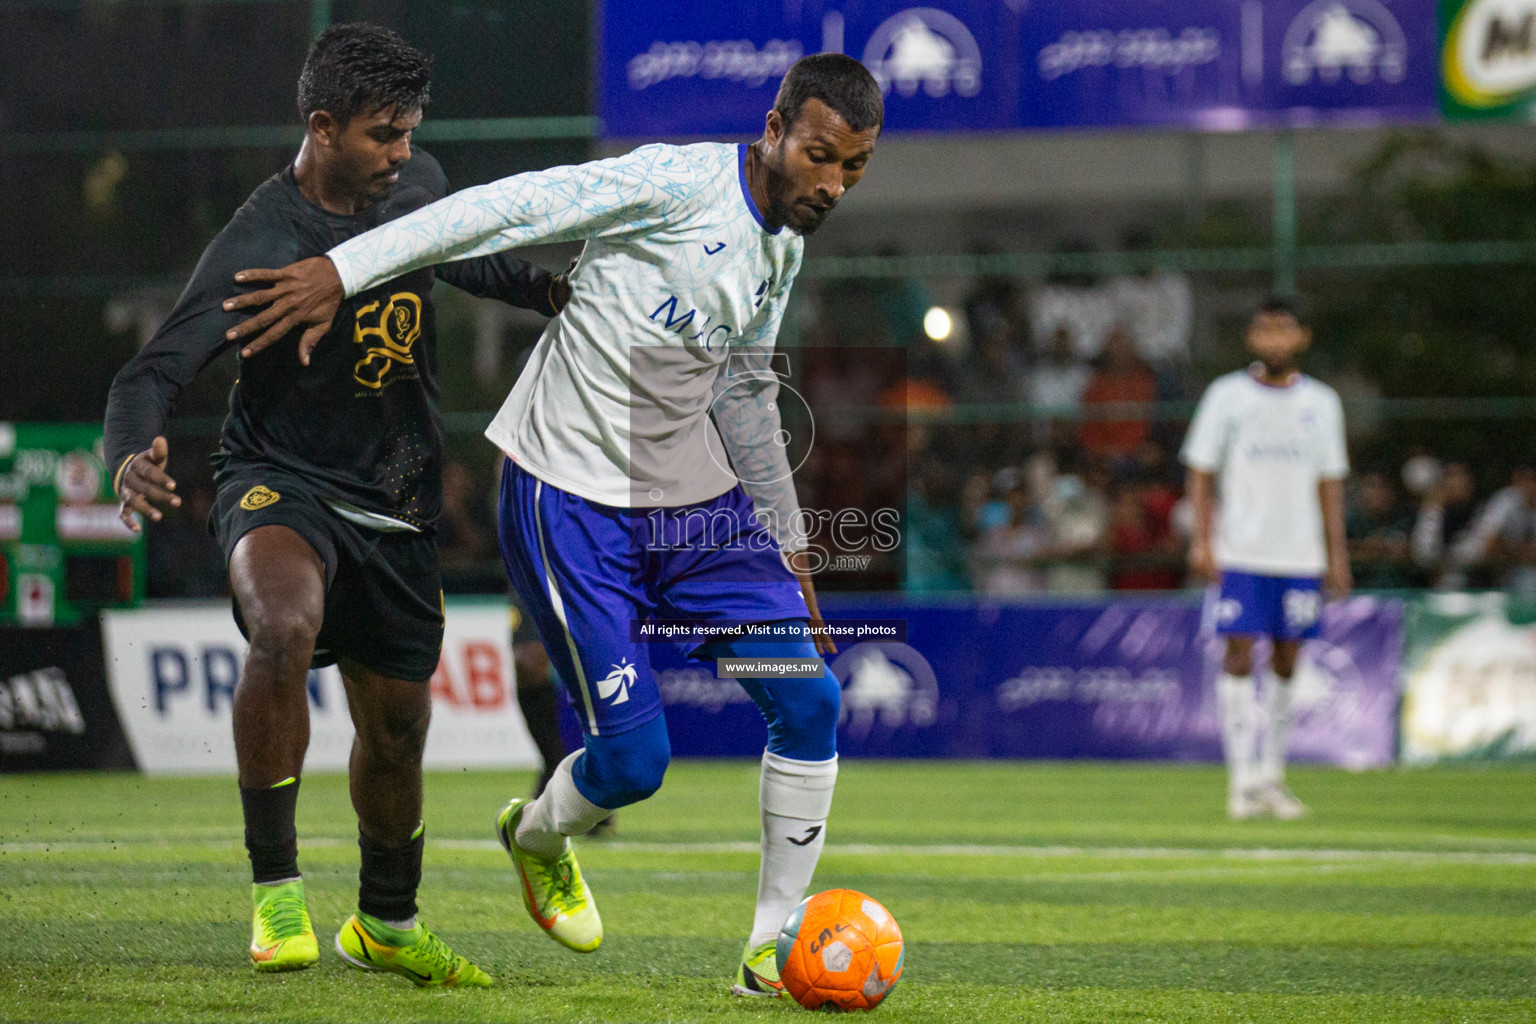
(389,878)
(270,836)
(542,714)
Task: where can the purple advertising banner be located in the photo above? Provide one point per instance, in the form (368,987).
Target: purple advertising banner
(1103,679)
(1225,65)
(679,68)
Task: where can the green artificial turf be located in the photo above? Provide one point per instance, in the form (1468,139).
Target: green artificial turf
(1026,892)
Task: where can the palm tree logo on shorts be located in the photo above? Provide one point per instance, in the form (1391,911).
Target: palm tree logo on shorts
(618,682)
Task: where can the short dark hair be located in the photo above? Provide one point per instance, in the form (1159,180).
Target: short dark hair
(1281,305)
(358,68)
(840,82)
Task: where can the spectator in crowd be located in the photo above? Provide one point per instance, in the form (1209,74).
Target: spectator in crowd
(1421,473)
(976,505)
(902,301)
(1154,475)
(1122,377)
(991,372)
(1440,529)
(994,508)
(1504,535)
(1007,557)
(995,303)
(1146,553)
(926,384)
(1057,383)
(1161,306)
(991,375)
(840,382)
(1376,527)
(935,552)
(1076,515)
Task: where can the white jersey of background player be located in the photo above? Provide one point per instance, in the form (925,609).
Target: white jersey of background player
(658,366)
(1276,437)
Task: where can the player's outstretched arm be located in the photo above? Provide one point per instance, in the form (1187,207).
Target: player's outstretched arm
(303,295)
(631,193)
(143,486)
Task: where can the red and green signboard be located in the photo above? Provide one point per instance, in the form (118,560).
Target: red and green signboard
(63,550)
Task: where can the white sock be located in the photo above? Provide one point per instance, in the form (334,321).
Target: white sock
(1277,729)
(559,811)
(795,797)
(1239,729)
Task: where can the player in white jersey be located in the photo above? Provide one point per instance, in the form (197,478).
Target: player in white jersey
(647,476)
(1276,438)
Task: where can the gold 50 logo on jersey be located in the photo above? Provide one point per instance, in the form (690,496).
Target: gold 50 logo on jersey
(387,331)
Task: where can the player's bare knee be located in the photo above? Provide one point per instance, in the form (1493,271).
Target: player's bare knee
(390,718)
(395,740)
(282,637)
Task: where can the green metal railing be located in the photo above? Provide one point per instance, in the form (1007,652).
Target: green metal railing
(1022,264)
(1036,264)
(1380,409)
(468,129)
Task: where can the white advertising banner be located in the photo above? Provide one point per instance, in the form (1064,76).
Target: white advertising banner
(173,669)
(1470,680)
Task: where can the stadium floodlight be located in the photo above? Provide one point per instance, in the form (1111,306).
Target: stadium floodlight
(938,324)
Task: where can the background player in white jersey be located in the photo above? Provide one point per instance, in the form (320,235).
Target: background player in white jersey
(618,502)
(1276,438)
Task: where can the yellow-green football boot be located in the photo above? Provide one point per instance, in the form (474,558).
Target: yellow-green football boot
(758,972)
(282,939)
(556,897)
(421,957)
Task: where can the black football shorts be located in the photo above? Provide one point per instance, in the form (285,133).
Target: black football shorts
(383,591)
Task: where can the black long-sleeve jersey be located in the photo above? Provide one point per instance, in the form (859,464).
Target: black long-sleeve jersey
(360,423)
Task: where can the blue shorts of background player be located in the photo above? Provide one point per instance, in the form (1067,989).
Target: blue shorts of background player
(1282,607)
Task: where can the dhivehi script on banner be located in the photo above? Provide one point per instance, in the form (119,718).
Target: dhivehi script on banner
(172,670)
(1469,679)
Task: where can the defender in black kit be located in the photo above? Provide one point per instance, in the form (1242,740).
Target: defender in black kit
(329,486)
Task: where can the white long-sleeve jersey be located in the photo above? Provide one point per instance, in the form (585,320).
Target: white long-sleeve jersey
(680,273)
